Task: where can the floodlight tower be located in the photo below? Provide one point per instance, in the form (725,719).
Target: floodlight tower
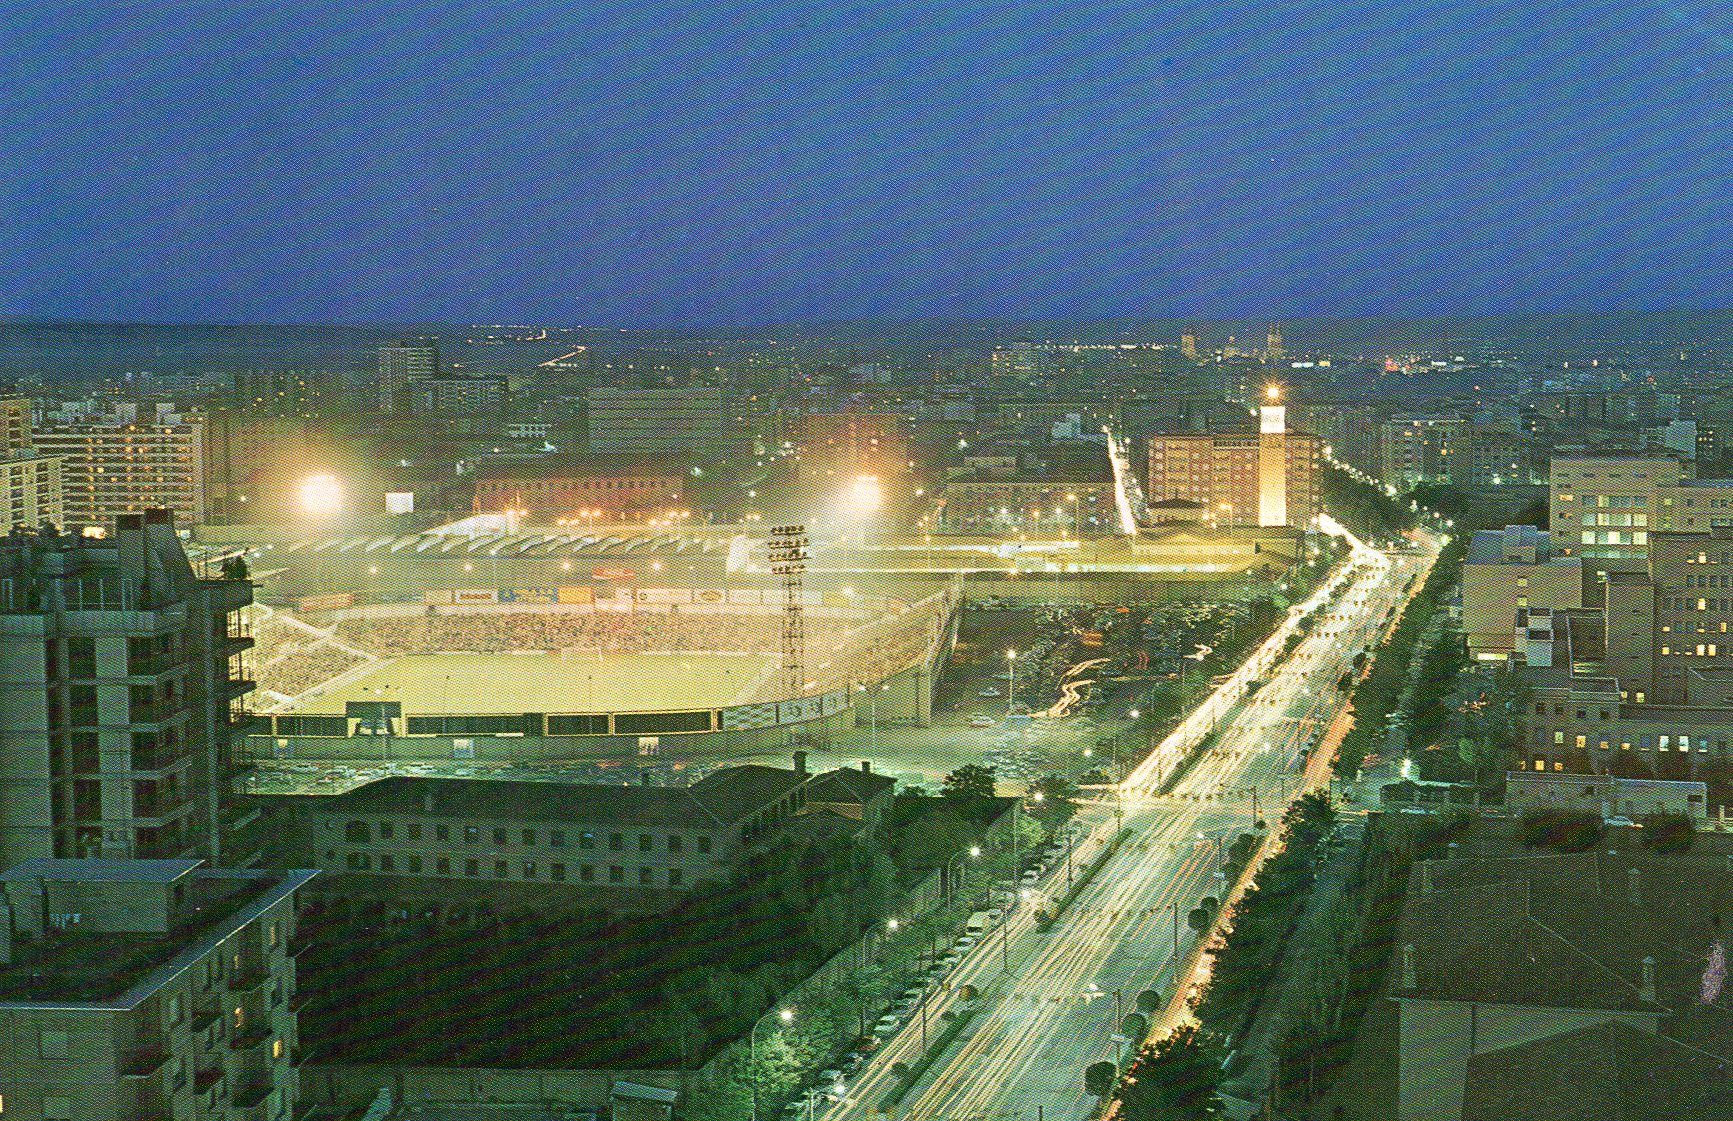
(788,560)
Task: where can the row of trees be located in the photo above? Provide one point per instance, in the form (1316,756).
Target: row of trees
(1377,695)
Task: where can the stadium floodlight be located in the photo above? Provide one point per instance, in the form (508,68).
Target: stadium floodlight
(866,496)
(320,495)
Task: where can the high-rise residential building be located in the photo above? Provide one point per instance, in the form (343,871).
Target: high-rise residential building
(402,362)
(1188,346)
(120,673)
(1266,478)
(693,422)
(144,990)
(119,459)
(31,485)
(1274,351)
(1416,449)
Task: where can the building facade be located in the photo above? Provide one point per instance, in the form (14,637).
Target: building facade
(1506,571)
(32,491)
(629,845)
(689,423)
(120,670)
(147,990)
(601,491)
(122,460)
(1262,479)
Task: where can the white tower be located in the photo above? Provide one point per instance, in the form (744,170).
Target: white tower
(1272,459)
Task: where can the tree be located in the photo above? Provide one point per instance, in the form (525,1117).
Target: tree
(1134,1026)
(1098,1078)
(1148,1001)
(971,780)
(1174,1080)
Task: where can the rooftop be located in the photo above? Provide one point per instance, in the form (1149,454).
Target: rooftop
(82,968)
(99,871)
(723,797)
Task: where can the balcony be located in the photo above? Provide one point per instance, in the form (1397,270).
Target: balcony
(257,1031)
(238,687)
(203,1018)
(249,978)
(252,1093)
(154,813)
(144,1062)
(205,1079)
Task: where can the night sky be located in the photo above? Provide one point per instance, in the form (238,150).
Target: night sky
(739,163)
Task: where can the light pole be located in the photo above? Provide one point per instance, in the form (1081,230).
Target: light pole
(786,1015)
(1011,687)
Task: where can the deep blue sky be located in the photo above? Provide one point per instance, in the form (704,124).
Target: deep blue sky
(724,162)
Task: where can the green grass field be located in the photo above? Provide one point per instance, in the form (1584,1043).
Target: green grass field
(538,681)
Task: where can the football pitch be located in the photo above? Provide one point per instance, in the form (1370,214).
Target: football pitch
(453,684)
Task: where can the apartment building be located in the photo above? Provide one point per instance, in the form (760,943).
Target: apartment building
(119,459)
(1506,571)
(632,845)
(119,669)
(32,490)
(1230,477)
(147,990)
(693,423)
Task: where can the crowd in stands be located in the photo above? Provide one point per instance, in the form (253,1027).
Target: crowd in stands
(613,632)
(289,658)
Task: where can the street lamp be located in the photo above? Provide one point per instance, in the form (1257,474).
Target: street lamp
(786,1015)
(1011,688)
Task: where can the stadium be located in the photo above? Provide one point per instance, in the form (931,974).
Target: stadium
(366,652)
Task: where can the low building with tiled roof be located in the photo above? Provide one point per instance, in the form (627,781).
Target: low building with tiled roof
(621,845)
(1500,963)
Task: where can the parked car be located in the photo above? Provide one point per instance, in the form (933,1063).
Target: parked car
(980,720)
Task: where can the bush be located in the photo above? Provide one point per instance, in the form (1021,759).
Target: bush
(1563,830)
(1669,832)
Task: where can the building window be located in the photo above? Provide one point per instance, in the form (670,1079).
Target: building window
(413,831)
(472,867)
(54,1044)
(386,831)
(471,835)
(646,876)
(56,1109)
(441,833)
(387,863)
(276,1048)
(674,842)
(557,838)
(499,836)
(359,862)
(501,869)
(443,866)
(616,842)
(675,875)
(616,874)
(557,872)
(646,842)
(356,832)
(412,864)
(586,840)
(587,873)
(529,836)
(704,843)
